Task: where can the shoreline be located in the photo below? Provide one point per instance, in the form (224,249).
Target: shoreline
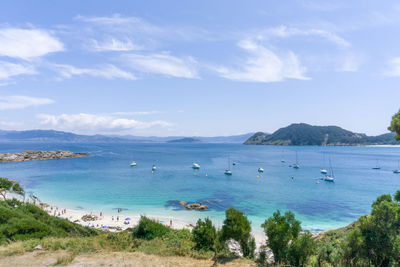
(116,222)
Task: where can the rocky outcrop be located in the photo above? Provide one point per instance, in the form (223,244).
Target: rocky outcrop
(193,206)
(39,155)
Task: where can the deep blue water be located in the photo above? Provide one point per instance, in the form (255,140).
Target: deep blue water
(105,181)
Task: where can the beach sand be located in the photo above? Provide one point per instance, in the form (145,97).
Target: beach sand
(117,221)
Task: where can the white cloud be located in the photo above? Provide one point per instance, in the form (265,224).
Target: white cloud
(285,32)
(27,43)
(96,123)
(8,69)
(263,65)
(115,45)
(107,71)
(132,113)
(393,67)
(20,102)
(350,64)
(164,64)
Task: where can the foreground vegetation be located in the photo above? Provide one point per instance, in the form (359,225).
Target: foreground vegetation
(373,240)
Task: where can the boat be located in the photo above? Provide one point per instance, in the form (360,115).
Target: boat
(195,166)
(228,171)
(260,170)
(296,165)
(324,171)
(331,177)
(233,163)
(283,158)
(133,163)
(376,167)
(398,167)
(153,168)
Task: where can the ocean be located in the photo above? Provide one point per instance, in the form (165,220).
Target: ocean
(105,181)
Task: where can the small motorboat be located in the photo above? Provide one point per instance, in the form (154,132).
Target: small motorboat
(260,170)
(228,172)
(195,166)
(324,171)
(133,163)
(154,168)
(376,168)
(295,166)
(329,178)
(396,171)
(233,163)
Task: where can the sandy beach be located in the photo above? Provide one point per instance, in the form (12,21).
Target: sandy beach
(121,221)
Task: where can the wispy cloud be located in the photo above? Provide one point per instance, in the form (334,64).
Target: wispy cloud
(284,31)
(96,123)
(115,45)
(8,69)
(27,43)
(133,113)
(107,71)
(163,64)
(20,102)
(263,65)
(392,67)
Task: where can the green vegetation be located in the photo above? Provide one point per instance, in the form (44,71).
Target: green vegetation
(303,134)
(149,229)
(395,125)
(22,221)
(9,186)
(204,235)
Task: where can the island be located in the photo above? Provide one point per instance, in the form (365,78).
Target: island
(185,140)
(302,134)
(40,155)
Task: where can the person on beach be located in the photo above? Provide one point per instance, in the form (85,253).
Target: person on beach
(112,218)
(117,218)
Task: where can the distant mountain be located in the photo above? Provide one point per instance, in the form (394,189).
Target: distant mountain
(53,136)
(185,140)
(303,134)
(60,136)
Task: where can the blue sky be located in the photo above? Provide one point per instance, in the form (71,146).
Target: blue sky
(198,67)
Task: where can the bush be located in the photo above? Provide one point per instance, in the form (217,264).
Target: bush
(238,227)
(280,230)
(300,249)
(149,229)
(22,221)
(204,234)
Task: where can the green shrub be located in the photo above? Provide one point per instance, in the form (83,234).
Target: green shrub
(301,249)
(204,234)
(149,229)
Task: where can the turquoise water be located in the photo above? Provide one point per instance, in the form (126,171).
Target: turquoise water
(105,181)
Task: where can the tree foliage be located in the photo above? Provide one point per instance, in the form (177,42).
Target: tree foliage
(300,249)
(238,227)
(204,234)
(280,230)
(8,186)
(149,229)
(395,125)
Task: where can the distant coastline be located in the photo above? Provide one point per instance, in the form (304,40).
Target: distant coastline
(39,155)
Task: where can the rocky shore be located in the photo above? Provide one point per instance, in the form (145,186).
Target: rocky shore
(40,155)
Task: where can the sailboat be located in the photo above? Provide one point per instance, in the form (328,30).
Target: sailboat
(376,167)
(282,158)
(133,163)
(296,165)
(331,177)
(154,168)
(398,167)
(195,166)
(228,171)
(260,170)
(324,171)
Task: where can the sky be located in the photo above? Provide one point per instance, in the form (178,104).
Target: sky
(198,68)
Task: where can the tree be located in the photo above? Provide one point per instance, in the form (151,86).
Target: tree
(280,230)
(395,125)
(5,186)
(238,227)
(204,234)
(397,196)
(300,249)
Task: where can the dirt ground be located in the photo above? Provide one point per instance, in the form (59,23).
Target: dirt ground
(63,258)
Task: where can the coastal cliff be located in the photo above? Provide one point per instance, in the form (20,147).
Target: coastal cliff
(40,155)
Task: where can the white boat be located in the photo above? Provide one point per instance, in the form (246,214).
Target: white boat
(133,163)
(376,167)
(331,177)
(260,170)
(296,165)
(154,168)
(228,171)
(398,167)
(282,160)
(195,166)
(323,171)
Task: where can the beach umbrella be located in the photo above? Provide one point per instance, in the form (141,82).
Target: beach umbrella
(105,227)
(127,219)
